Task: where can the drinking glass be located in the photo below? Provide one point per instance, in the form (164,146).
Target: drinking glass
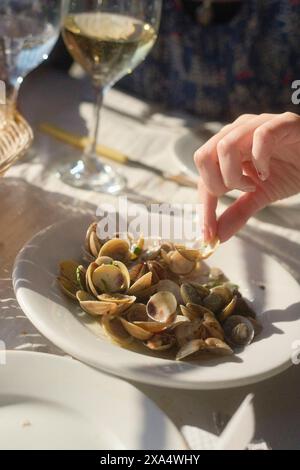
(28,32)
(109,39)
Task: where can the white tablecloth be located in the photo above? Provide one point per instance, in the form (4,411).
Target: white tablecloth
(32,197)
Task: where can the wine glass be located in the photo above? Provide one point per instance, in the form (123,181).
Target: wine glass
(28,32)
(109,39)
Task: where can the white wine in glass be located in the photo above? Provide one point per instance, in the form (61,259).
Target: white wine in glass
(109,39)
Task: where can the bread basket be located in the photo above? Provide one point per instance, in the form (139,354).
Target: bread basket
(15,138)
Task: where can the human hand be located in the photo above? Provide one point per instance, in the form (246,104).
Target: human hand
(257,154)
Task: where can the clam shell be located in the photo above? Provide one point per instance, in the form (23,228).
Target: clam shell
(158,271)
(108,278)
(170,286)
(207,249)
(123,302)
(81,277)
(137,312)
(116,248)
(187,331)
(125,274)
(217,346)
(117,298)
(114,329)
(141,284)
(67,287)
(104,260)
(94,307)
(228,310)
(94,244)
(68,270)
(193,293)
(135,330)
(146,293)
(89,281)
(162,306)
(160,342)
(218,297)
(152,326)
(137,271)
(91,230)
(188,253)
(178,264)
(191,347)
(239,331)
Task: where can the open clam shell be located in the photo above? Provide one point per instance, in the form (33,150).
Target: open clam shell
(67,287)
(137,271)
(177,263)
(188,253)
(207,249)
(92,242)
(137,312)
(94,307)
(161,342)
(68,270)
(190,348)
(116,248)
(123,302)
(186,331)
(135,330)
(108,278)
(193,293)
(208,345)
(114,329)
(217,346)
(162,306)
(152,326)
(194,311)
(141,284)
(228,310)
(89,279)
(170,286)
(103,260)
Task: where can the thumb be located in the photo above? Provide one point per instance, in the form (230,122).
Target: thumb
(236,216)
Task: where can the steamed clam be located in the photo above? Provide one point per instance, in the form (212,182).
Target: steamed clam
(161,342)
(162,306)
(117,248)
(239,331)
(193,293)
(164,296)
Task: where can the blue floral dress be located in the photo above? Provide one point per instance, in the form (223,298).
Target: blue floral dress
(219,71)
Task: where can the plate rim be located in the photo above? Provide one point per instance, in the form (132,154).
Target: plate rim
(71,349)
(74,362)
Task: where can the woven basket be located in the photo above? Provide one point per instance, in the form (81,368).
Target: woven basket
(15,138)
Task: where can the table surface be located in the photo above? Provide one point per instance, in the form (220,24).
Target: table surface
(32,197)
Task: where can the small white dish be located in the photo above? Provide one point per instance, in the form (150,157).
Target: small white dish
(81,336)
(184,150)
(52,402)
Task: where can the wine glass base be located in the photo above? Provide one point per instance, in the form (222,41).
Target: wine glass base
(92,175)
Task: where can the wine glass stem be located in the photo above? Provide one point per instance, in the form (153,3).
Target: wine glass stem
(91,150)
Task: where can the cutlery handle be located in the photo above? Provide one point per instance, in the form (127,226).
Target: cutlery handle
(82,142)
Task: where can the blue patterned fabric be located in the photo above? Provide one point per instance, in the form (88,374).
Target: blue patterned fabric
(222,70)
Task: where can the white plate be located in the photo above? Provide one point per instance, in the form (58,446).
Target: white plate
(81,336)
(51,402)
(185,148)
